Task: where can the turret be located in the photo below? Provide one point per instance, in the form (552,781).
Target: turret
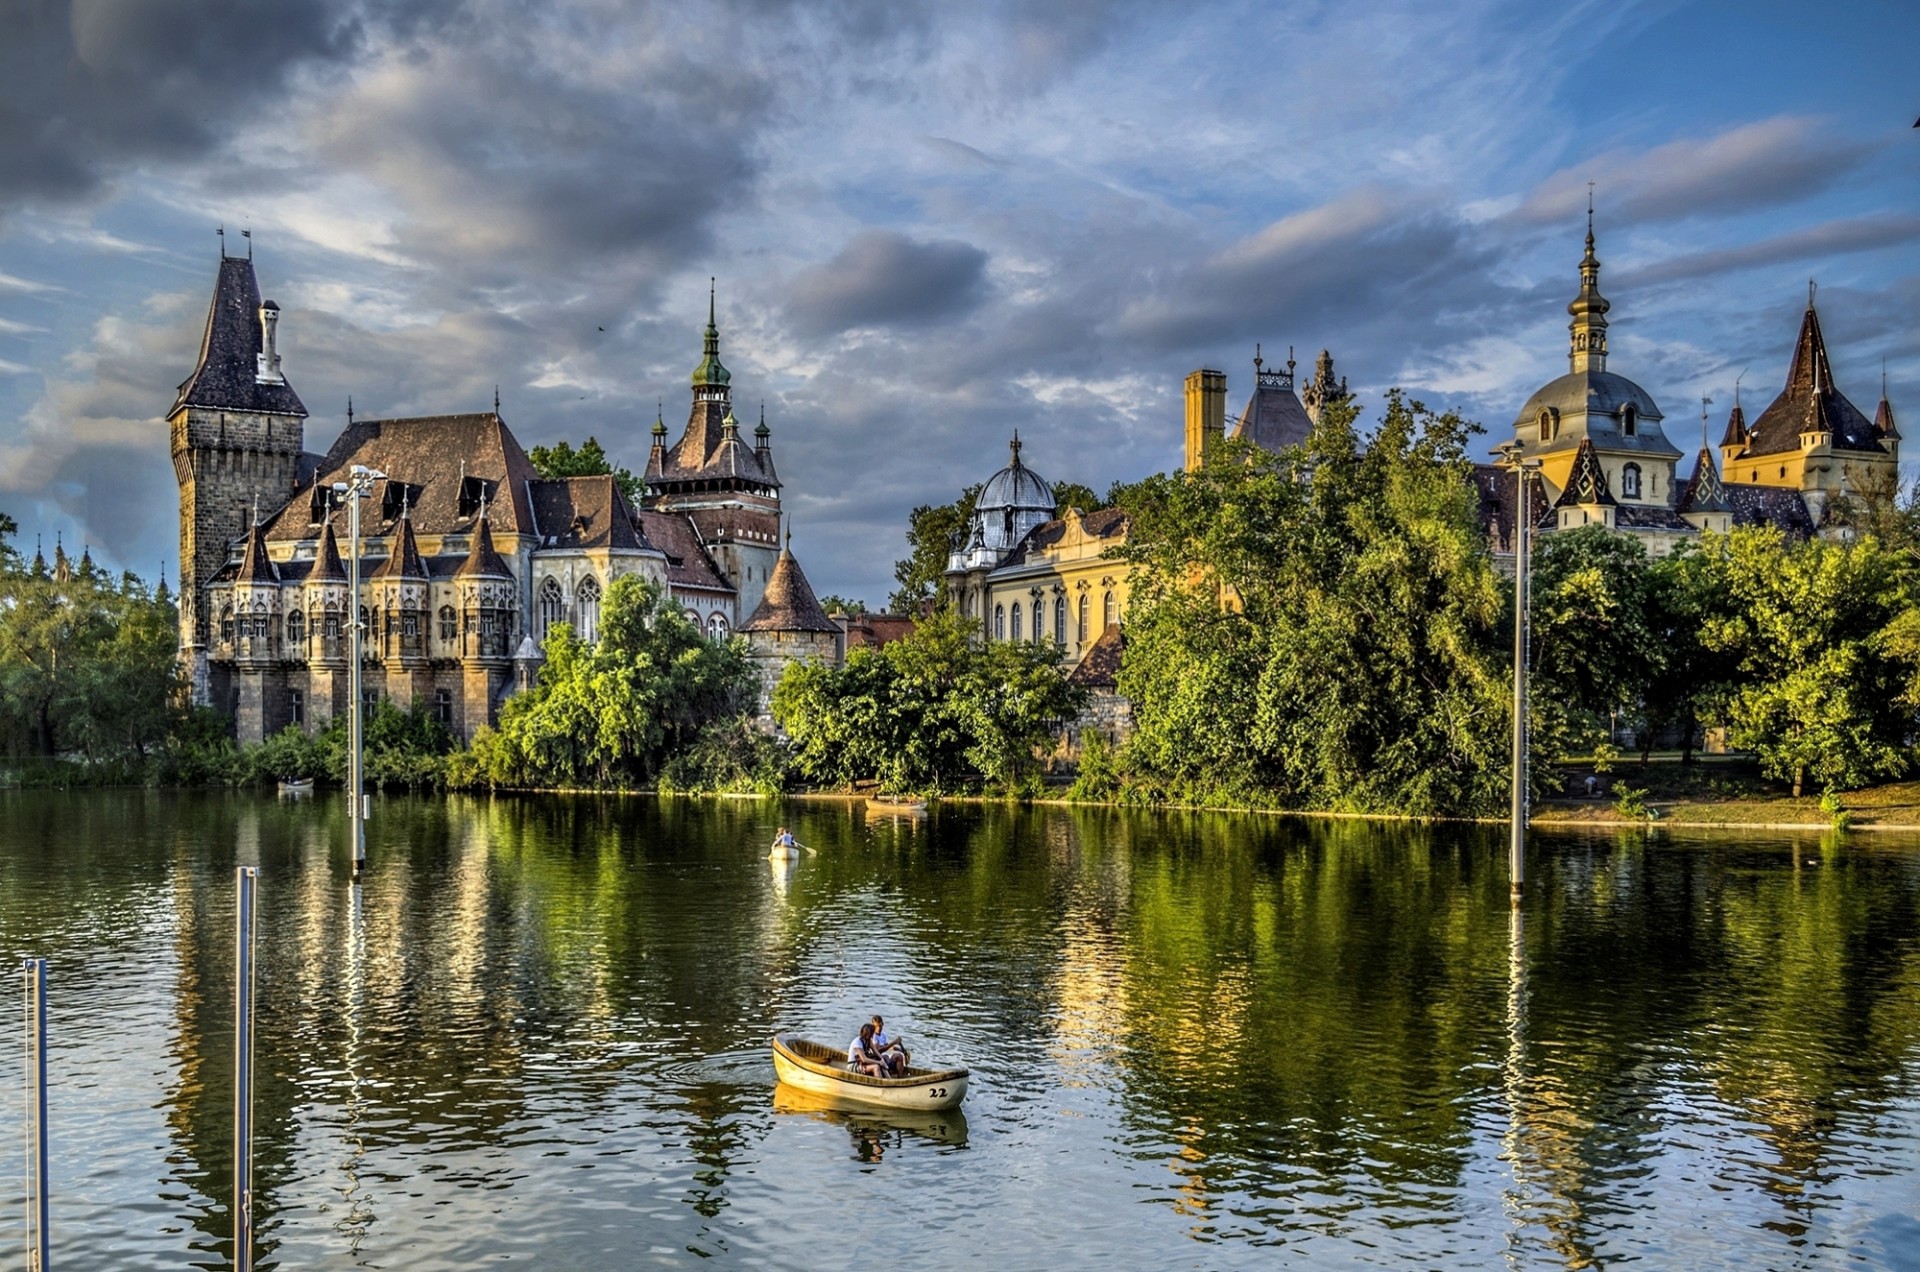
(1589,309)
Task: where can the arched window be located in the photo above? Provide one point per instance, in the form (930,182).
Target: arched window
(366,624)
(1546,424)
(1083,618)
(1059,620)
(226,623)
(331,626)
(553,604)
(296,629)
(999,622)
(716,626)
(1629,420)
(587,610)
(449,624)
(1630,480)
(1109,612)
(1016,620)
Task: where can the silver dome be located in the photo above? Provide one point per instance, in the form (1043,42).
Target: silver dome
(1011,504)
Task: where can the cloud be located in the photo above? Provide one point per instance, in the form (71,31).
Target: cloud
(882,278)
(1833,238)
(1757,165)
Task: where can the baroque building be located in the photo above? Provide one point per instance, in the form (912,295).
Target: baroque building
(468,555)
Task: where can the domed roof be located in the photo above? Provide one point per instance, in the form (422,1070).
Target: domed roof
(1016,486)
(1591,404)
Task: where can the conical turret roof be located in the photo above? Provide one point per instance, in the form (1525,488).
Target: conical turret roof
(483,562)
(404,561)
(1811,403)
(1587,483)
(1703,492)
(327,565)
(1736,434)
(1883,421)
(225,377)
(255,565)
(789,604)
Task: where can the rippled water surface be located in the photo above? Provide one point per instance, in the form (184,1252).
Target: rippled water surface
(537,1035)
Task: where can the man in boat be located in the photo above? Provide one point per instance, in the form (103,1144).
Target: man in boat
(783,843)
(893,1051)
(862,1057)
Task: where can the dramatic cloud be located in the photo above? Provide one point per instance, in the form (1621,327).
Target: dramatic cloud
(881,278)
(1835,238)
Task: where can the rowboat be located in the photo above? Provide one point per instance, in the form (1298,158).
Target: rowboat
(822,1070)
(296,786)
(942,1126)
(895,806)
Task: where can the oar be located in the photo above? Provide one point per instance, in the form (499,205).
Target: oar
(814,851)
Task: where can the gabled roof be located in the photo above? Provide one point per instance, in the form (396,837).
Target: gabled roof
(1811,403)
(223,379)
(688,565)
(1100,665)
(1703,492)
(1587,483)
(789,604)
(482,561)
(404,561)
(585,512)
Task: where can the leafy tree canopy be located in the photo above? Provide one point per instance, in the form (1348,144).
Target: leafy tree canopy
(589,460)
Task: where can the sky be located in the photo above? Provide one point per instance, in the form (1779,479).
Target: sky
(931,224)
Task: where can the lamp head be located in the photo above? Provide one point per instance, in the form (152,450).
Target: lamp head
(339,487)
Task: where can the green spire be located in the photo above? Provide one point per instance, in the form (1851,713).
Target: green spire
(660,424)
(710,373)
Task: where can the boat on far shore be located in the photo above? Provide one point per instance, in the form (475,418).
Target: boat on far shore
(895,806)
(822,1070)
(296,786)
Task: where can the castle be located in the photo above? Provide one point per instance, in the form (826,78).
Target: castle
(468,555)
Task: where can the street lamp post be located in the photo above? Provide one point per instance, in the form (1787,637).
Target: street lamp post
(358,486)
(1512,457)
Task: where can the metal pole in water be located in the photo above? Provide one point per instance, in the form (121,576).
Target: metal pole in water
(355,781)
(35,1009)
(245,878)
(1516,855)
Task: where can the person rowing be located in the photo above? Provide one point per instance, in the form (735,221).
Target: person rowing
(862,1057)
(783,845)
(893,1051)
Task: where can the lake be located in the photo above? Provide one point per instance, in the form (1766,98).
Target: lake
(537,1034)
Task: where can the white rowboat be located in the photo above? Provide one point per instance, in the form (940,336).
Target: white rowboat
(822,1070)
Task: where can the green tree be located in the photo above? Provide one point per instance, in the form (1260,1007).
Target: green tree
(611,713)
(1322,627)
(562,459)
(1688,684)
(1071,494)
(1816,631)
(1595,647)
(932,532)
(842,605)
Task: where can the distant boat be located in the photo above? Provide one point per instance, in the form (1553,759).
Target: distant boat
(822,1070)
(296,786)
(895,806)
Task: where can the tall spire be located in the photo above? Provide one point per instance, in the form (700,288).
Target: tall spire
(710,373)
(1589,310)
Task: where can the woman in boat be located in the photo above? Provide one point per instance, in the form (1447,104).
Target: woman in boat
(893,1051)
(783,843)
(863,1058)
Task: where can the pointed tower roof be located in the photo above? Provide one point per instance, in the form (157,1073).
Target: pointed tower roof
(789,604)
(404,561)
(1274,418)
(255,565)
(86,561)
(1588,351)
(1811,403)
(710,372)
(1736,434)
(482,562)
(1703,492)
(1883,424)
(225,379)
(1587,483)
(62,568)
(327,565)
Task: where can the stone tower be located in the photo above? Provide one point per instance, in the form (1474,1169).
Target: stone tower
(238,430)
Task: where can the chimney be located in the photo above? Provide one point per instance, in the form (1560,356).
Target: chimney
(267,361)
(1206,414)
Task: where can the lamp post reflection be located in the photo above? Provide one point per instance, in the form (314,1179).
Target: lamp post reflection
(358,1218)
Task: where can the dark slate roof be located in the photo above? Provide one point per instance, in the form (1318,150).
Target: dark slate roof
(756,524)
(482,561)
(1736,434)
(1811,403)
(1601,398)
(1703,492)
(711,450)
(1883,421)
(789,604)
(1775,506)
(327,562)
(255,565)
(1274,418)
(1106,523)
(688,565)
(432,455)
(1630,516)
(404,561)
(584,512)
(1495,485)
(1587,483)
(1100,666)
(223,380)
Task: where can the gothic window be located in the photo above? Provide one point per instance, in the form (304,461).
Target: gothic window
(1016,621)
(1083,618)
(1109,612)
(331,627)
(449,623)
(1059,620)
(553,605)
(1630,481)
(587,611)
(366,623)
(226,623)
(410,624)
(296,630)
(1629,420)
(999,622)
(717,627)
